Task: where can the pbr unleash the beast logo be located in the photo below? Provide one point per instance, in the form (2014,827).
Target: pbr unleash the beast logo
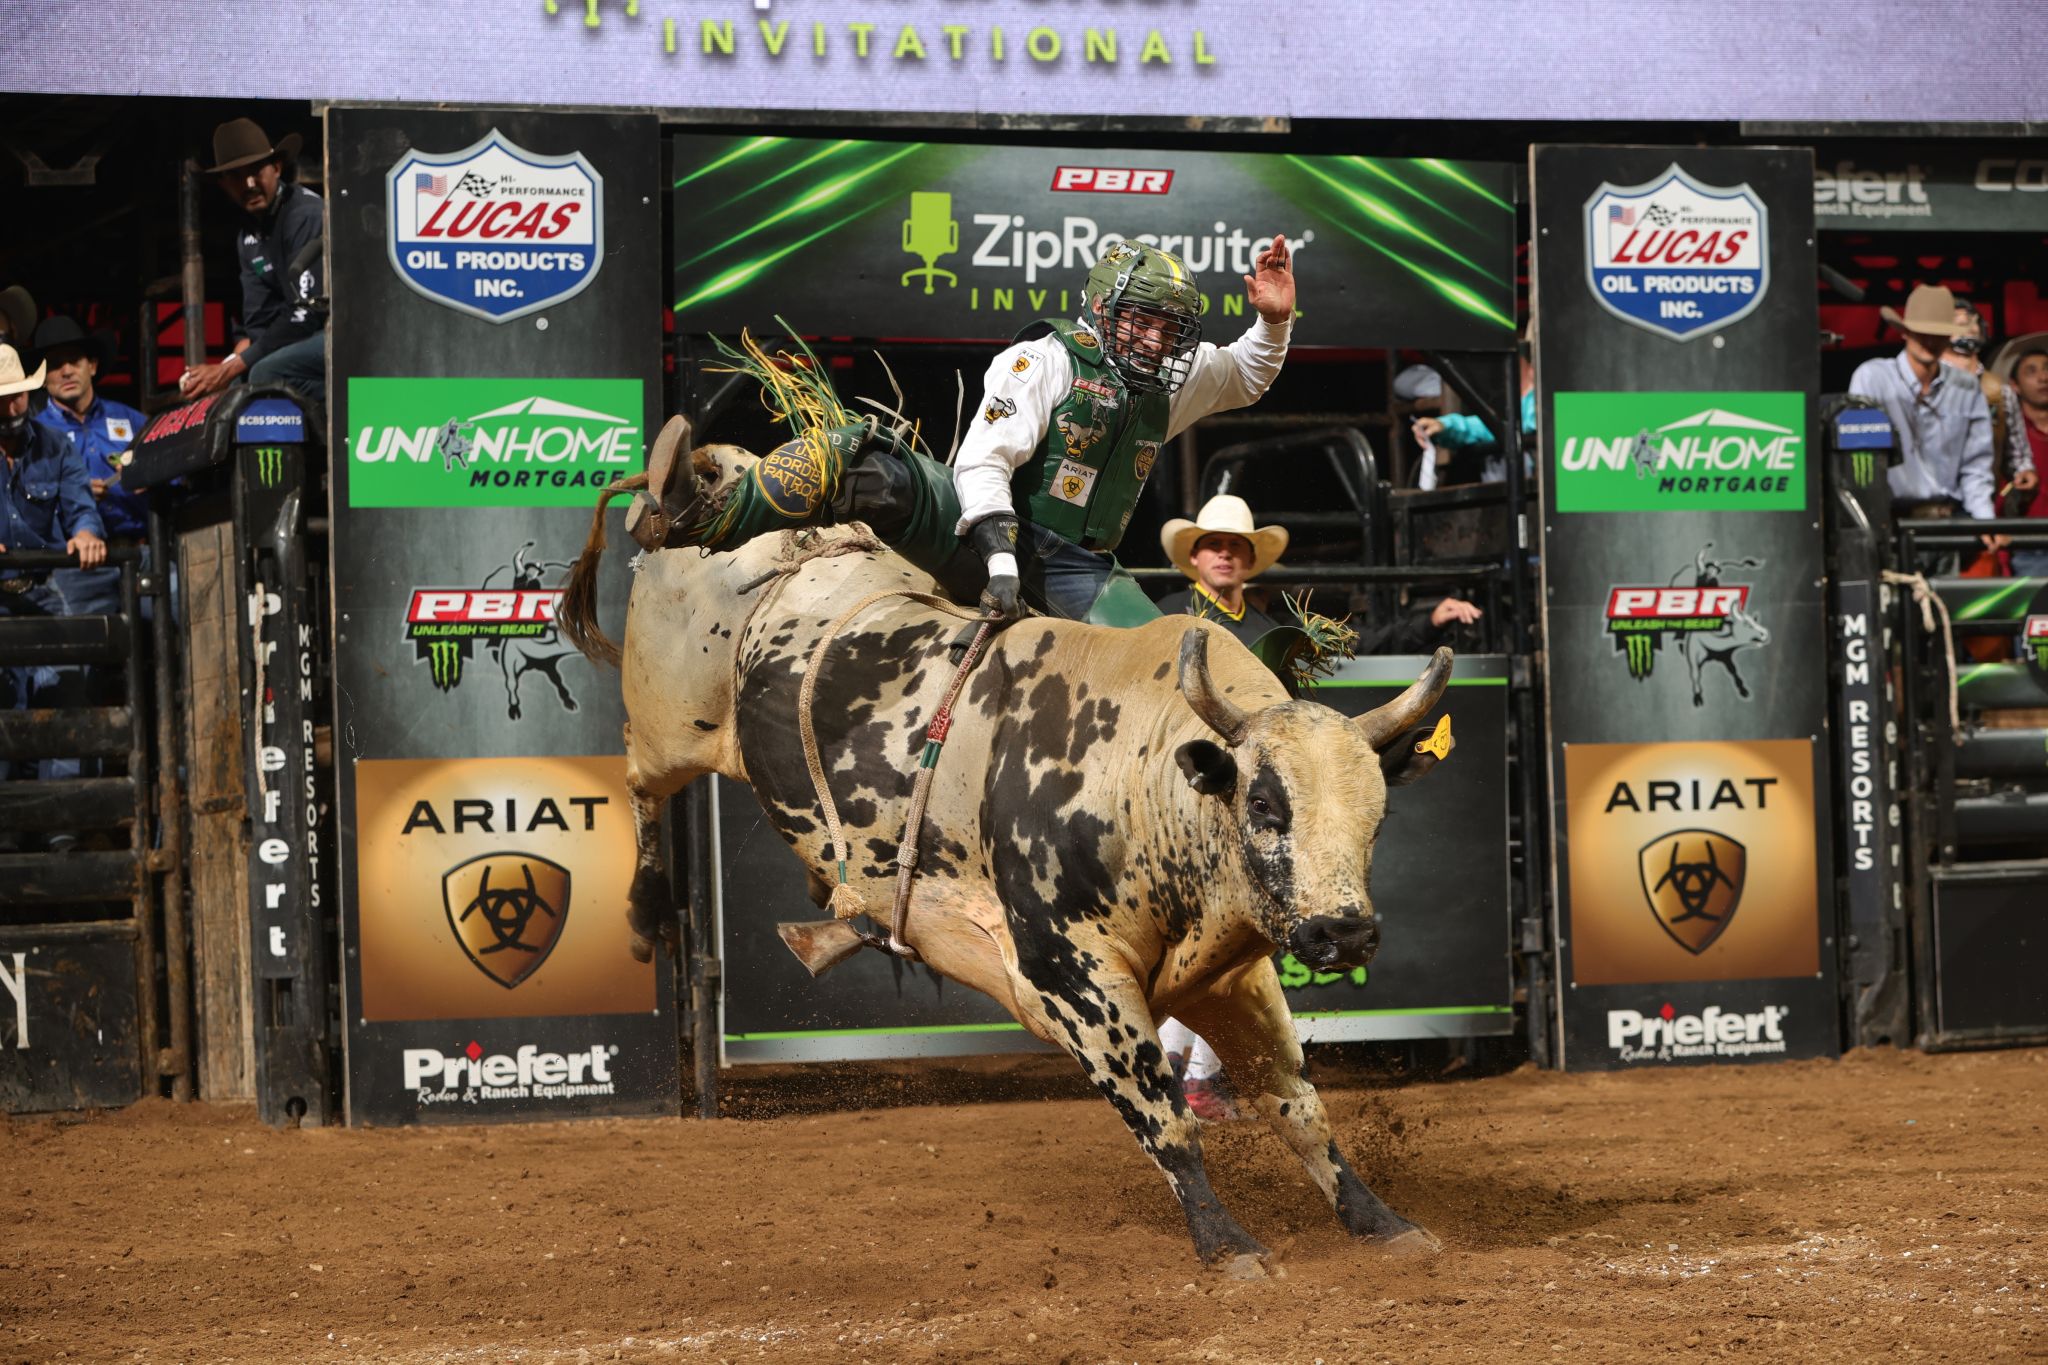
(1713,622)
(494,230)
(1675,256)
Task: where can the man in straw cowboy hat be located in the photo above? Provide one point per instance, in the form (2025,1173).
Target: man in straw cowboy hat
(1221,550)
(282,338)
(1940,416)
(45,504)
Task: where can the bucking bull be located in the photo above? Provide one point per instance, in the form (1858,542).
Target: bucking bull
(1124,824)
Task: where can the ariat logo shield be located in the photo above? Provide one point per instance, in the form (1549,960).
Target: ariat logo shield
(997,410)
(1020,364)
(1073,483)
(1692,879)
(507,911)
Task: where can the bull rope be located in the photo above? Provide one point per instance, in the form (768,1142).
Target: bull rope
(846,901)
(1930,604)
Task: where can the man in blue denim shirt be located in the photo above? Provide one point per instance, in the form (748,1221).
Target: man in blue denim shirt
(45,504)
(99,429)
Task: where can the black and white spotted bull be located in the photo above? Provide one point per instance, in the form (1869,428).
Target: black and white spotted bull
(1124,824)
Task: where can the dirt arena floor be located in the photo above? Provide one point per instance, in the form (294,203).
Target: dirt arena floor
(1891,1205)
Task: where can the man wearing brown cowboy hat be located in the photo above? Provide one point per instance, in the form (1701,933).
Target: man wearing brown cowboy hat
(1938,412)
(1221,550)
(44,505)
(282,338)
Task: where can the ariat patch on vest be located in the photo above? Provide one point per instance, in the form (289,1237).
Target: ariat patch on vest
(1073,483)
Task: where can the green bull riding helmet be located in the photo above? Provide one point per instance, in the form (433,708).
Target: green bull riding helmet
(1151,315)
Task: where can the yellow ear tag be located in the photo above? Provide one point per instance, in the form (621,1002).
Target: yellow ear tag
(1439,741)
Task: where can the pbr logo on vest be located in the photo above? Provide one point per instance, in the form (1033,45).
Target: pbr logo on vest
(494,230)
(1675,256)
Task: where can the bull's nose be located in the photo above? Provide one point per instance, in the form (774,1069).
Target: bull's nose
(1333,942)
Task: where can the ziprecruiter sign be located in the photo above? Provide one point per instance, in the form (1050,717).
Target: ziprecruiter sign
(1660,452)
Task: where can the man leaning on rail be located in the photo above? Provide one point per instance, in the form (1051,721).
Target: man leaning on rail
(45,504)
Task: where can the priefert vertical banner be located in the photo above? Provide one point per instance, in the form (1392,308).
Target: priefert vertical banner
(496,361)
(1683,605)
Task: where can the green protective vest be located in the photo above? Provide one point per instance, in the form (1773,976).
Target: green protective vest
(1084,479)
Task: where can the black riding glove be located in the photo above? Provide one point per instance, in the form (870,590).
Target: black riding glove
(995,540)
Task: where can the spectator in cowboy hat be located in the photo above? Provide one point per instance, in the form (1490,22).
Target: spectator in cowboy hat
(98,428)
(282,338)
(1221,550)
(44,505)
(1943,424)
(2023,364)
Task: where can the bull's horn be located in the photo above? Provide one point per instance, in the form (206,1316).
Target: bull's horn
(1221,714)
(1381,724)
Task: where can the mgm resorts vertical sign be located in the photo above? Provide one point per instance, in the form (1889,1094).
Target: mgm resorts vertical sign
(496,363)
(1683,614)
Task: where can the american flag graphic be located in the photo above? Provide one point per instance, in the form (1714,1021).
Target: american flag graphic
(1624,216)
(424,183)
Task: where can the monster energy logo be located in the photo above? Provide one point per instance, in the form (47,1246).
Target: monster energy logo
(444,657)
(270,465)
(1642,654)
(1863,467)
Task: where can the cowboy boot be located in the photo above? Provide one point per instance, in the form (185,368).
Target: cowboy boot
(677,494)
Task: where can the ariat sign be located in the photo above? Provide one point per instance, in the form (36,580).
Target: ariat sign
(1666,1035)
(494,230)
(473,1076)
(1669,452)
(489,442)
(1675,256)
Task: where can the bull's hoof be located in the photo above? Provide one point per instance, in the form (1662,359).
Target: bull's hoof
(820,945)
(1414,1242)
(1250,1265)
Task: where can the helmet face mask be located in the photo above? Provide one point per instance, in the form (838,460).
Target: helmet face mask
(1148,313)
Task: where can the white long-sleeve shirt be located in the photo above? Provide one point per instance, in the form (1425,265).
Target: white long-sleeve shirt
(1028,381)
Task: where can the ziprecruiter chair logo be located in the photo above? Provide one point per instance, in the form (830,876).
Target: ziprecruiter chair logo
(930,232)
(1693,879)
(507,911)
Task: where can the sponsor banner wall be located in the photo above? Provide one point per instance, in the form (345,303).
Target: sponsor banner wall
(1440,882)
(1909,187)
(1683,605)
(1701,59)
(911,239)
(496,362)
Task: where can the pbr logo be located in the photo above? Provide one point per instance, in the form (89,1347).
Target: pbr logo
(507,911)
(1675,256)
(512,612)
(2034,643)
(1692,879)
(1712,621)
(494,230)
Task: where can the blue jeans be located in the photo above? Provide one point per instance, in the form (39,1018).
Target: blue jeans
(40,685)
(2030,563)
(301,365)
(1060,578)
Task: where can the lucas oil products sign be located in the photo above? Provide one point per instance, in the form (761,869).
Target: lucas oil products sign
(495,230)
(485,833)
(915,239)
(1677,256)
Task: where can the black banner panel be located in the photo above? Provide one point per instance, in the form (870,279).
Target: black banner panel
(496,362)
(1683,606)
(1439,882)
(69,1016)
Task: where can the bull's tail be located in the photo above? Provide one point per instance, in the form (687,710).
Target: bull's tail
(577,612)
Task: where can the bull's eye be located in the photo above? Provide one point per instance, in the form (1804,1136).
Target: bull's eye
(1261,806)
